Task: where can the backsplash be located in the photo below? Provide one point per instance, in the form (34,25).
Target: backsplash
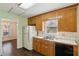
(68,35)
(40,33)
(61,35)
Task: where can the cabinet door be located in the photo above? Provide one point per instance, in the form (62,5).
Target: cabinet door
(39,23)
(44,48)
(68,21)
(47,48)
(51,49)
(75,50)
(48,15)
(34,44)
(62,21)
(72,21)
(31,21)
(38,45)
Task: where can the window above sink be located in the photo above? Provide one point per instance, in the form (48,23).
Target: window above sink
(51,26)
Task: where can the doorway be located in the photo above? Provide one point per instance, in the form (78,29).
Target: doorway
(9,39)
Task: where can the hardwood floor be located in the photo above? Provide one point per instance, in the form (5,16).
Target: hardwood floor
(9,49)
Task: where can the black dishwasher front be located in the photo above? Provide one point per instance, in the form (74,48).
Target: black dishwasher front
(63,50)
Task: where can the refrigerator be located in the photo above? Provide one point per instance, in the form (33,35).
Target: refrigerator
(29,33)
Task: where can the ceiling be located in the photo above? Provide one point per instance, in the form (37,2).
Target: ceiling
(37,9)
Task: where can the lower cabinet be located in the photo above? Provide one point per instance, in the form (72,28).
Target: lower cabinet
(47,48)
(75,50)
(34,44)
(44,47)
(50,48)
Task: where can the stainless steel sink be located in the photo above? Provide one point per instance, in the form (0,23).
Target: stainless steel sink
(49,37)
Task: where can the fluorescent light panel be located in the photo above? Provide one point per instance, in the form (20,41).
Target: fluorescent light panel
(26,5)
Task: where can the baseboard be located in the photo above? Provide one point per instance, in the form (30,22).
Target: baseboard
(27,49)
(1,53)
(18,47)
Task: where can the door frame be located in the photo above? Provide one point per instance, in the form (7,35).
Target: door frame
(1,35)
(18,34)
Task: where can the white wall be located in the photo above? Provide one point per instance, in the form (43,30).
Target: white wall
(20,35)
(1,34)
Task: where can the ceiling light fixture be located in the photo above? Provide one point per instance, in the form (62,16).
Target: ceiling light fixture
(26,5)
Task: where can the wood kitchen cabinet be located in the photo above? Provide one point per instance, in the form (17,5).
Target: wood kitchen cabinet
(44,47)
(48,15)
(40,19)
(62,20)
(75,50)
(72,21)
(38,41)
(39,22)
(36,44)
(68,21)
(47,48)
(31,21)
(51,48)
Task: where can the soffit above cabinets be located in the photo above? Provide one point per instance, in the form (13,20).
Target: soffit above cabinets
(37,9)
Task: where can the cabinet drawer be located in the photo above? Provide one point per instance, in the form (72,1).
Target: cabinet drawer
(46,42)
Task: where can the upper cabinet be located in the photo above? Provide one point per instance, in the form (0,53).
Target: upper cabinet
(67,22)
(39,23)
(36,21)
(31,21)
(48,15)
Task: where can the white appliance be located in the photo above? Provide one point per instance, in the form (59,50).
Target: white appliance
(29,33)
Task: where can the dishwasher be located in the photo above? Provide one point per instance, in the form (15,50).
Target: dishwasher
(63,50)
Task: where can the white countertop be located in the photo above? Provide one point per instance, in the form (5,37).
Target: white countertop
(64,41)
(70,42)
(38,37)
